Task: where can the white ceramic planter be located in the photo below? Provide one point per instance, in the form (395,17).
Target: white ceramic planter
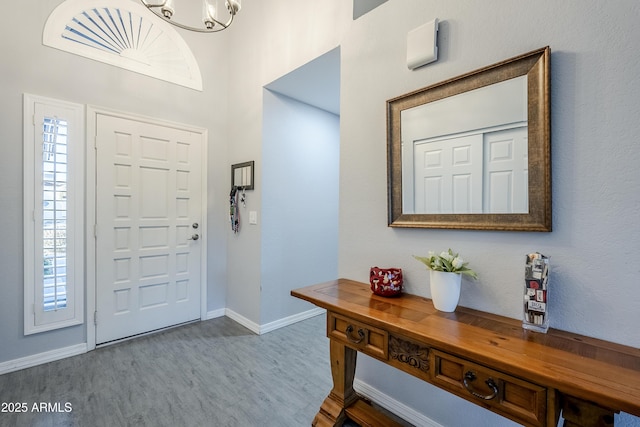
(445,290)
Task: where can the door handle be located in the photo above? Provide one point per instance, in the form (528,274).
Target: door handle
(194,237)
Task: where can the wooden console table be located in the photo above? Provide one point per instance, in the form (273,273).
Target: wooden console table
(487,359)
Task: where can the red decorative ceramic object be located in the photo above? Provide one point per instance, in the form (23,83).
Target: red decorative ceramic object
(386,282)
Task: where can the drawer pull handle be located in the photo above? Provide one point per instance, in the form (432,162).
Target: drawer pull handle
(349,331)
(470,377)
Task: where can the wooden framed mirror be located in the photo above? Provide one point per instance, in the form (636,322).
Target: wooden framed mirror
(242,175)
(474,151)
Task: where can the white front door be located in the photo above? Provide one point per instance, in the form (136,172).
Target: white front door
(148,226)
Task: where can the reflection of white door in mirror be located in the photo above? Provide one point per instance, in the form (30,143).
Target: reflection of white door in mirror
(448,175)
(472,173)
(506,170)
(460,154)
(242,176)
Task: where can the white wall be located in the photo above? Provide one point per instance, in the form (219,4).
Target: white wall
(300,162)
(28,66)
(594,247)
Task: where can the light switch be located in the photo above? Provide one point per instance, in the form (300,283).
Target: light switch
(253,217)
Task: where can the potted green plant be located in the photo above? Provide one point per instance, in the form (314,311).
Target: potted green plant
(445,271)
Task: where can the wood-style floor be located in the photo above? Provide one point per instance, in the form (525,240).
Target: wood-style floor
(212,373)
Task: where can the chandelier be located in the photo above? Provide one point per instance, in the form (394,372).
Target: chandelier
(211,23)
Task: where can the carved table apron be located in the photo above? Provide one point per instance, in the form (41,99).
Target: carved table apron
(487,359)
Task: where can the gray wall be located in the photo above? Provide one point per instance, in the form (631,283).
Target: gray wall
(594,247)
(28,66)
(595,100)
(270,39)
(300,162)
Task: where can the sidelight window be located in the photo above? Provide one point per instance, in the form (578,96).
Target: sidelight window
(54,153)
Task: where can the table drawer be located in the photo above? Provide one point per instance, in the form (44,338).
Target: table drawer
(511,397)
(358,335)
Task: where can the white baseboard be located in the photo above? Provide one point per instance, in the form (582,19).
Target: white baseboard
(249,324)
(281,323)
(215,314)
(390,404)
(40,358)
(268,327)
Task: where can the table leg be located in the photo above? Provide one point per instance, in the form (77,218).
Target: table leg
(343,369)
(580,413)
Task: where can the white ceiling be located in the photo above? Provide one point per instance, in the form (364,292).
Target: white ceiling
(316,83)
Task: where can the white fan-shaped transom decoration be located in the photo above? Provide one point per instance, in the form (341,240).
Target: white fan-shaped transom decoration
(124,34)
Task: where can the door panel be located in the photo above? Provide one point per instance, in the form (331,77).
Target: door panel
(506,171)
(148,187)
(448,175)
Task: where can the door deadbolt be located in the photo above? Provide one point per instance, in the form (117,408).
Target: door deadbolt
(195,225)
